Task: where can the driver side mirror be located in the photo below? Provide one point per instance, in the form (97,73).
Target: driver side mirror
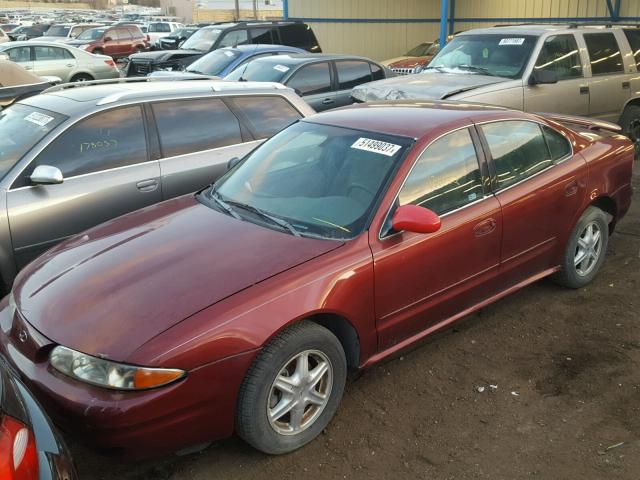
(46,175)
(540,76)
(416,219)
(232,163)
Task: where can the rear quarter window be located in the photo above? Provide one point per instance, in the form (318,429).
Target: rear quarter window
(604,53)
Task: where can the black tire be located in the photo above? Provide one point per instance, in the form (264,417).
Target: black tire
(82,77)
(572,275)
(630,123)
(258,394)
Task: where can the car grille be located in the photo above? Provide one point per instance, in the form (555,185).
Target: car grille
(139,68)
(404,71)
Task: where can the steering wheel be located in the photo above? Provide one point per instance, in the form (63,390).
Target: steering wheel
(360,186)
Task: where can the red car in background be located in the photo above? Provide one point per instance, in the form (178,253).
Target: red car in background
(343,239)
(116,41)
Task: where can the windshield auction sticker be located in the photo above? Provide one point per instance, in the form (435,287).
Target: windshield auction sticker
(511,41)
(281,68)
(376,146)
(38,118)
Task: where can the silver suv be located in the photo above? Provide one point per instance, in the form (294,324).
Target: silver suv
(72,158)
(569,69)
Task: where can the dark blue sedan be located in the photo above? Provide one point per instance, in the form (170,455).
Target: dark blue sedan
(223,61)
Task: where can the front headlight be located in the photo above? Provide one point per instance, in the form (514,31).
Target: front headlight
(108,374)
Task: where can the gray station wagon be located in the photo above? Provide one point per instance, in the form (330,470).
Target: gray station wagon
(72,158)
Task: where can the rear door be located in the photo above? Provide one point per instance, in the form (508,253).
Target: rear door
(540,186)
(125,41)
(608,86)
(314,83)
(107,173)
(54,61)
(559,54)
(111,46)
(350,73)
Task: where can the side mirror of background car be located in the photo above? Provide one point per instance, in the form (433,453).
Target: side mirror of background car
(46,175)
(108,39)
(232,163)
(416,219)
(540,76)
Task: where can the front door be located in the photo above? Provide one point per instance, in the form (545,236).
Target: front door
(22,56)
(106,171)
(351,73)
(540,186)
(559,54)
(313,83)
(422,280)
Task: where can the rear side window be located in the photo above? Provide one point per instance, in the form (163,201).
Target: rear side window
(558,144)
(312,79)
(604,53)
(51,53)
(261,36)
(446,176)
(352,73)
(560,54)
(111,139)
(518,149)
(188,126)
(234,38)
(299,35)
(266,115)
(633,36)
(376,72)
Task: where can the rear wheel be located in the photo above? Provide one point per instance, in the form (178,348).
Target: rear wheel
(81,77)
(292,390)
(585,250)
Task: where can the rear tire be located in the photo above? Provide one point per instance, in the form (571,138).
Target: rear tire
(292,390)
(585,251)
(82,77)
(630,123)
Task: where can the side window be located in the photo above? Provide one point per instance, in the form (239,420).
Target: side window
(123,34)
(266,115)
(518,150)
(558,144)
(234,38)
(561,55)
(115,138)
(633,36)
(446,176)
(604,53)
(312,79)
(377,72)
(294,35)
(51,53)
(352,73)
(188,126)
(19,54)
(261,35)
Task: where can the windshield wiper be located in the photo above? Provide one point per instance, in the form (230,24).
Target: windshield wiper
(215,196)
(477,69)
(278,221)
(438,68)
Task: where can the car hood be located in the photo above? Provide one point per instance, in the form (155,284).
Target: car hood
(110,290)
(165,55)
(75,43)
(409,62)
(429,85)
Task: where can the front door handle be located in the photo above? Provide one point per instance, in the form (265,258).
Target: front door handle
(571,188)
(327,101)
(485,227)
(70,65)
(147,185)
(584,90)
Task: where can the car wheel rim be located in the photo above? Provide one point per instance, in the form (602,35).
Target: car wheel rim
(588,249)
(300,392)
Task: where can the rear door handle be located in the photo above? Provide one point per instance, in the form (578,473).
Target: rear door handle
(327,101)
(485,227)
(147,185)
(626,85)
(571,188)
(70,65)
(584,90)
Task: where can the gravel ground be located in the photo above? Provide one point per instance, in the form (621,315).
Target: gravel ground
(566,404)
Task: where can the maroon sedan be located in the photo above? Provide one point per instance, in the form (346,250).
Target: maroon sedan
(343,239)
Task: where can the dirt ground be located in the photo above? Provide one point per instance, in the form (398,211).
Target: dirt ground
(567,404)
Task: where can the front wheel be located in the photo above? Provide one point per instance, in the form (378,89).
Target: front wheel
(81,77)
(585,250)
(630,123)
(292,390)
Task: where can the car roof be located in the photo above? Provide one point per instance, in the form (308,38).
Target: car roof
(263,47)
(300,58)
(536,29)
(413,119)
(71,100)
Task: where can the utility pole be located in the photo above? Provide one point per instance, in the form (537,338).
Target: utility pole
(237,15)
(255,9)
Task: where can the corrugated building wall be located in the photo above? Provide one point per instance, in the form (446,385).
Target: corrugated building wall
(382,29)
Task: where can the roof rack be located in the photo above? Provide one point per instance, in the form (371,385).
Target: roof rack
(573,24)
(114,81)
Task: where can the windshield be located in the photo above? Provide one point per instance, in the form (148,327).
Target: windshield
(323,181)
(260,71)
(496,55)
(419,51)
(202,40)
(21,127)
(58,31)
(91,34)
(215,62)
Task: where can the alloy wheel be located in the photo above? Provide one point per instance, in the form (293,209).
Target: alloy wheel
(588,249)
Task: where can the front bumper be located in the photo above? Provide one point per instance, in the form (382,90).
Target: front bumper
(198,409)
